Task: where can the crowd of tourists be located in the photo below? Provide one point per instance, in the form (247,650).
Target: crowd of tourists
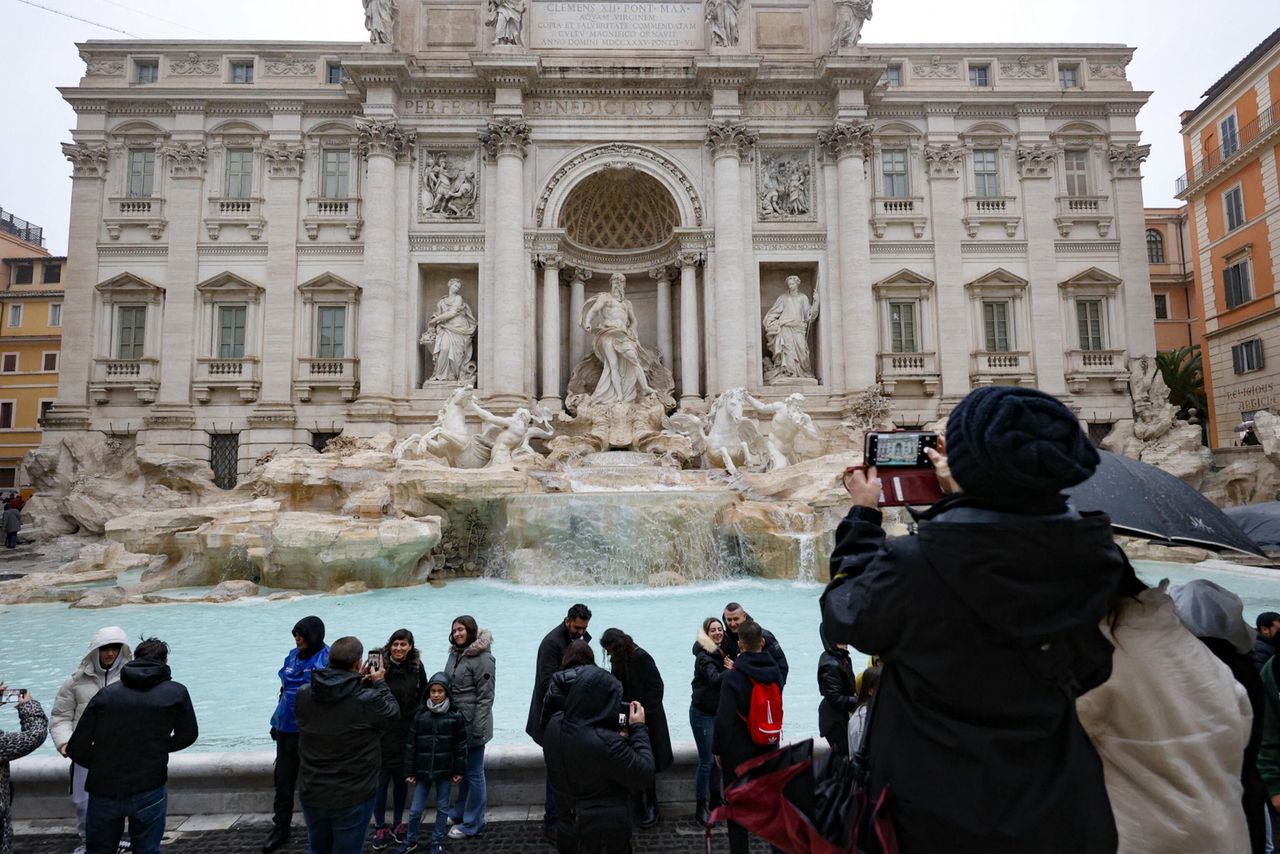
(1027,692)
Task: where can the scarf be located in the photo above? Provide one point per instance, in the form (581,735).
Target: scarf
(439,708)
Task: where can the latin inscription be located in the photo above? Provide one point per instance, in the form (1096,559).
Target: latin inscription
(445,107)
(617,24)
(657,108)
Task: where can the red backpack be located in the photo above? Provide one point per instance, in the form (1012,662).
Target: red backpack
(764,713)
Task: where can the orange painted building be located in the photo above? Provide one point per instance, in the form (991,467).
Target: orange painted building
(1231,142)
(1172,278)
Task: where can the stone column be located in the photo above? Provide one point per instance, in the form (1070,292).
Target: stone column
(663,277)
(551,263)
(690,397)
(943,163)
(577,299)
(847,143)
(88,171)
(1044,338)
(382,141)
(506,141)
(1131,228)
(730,142)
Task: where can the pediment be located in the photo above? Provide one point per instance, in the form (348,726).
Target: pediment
(127,284)
(904,277)
(229,284)
(997,277)
(327,284)
(1093,277)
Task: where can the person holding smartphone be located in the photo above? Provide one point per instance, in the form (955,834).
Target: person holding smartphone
(1002,571)
(32,726)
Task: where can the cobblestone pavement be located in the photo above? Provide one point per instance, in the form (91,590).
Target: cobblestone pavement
(667,837)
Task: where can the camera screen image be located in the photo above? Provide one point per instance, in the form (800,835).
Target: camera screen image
(897,450)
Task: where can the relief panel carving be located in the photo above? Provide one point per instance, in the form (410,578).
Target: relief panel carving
(784,185)
(448,183)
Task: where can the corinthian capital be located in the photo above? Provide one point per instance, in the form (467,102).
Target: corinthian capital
(1126,160)
(505,136)
(384,137)
(186,160)
(1036,161)
(844,139)
(730,139)
(87,161)
(284,160)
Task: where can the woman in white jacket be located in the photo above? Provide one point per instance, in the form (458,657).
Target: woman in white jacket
(1170,726)
(108,652)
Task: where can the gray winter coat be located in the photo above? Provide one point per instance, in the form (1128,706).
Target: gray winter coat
(472,680)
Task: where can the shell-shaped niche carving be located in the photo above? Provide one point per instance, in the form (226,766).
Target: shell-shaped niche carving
(619,208)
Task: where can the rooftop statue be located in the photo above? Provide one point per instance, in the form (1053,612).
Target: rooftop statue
(507,19)
(380,20)
(850,16)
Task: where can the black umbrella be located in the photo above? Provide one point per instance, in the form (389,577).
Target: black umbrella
(1260,522)
(1144,501)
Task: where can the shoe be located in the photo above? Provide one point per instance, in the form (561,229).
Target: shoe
(701,814)
(650,817)
(455,832)
(125,845)
(407,846)
(438,848)
(399,833)
(453,821)
(382,838)
(277,838)
(79,850)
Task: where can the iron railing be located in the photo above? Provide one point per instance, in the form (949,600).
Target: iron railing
(21,229)
(1218,156)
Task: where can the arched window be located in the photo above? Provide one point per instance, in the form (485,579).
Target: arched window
(1155,247)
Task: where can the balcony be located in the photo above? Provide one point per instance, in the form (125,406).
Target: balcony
(141,376)
(224,212)
(907,210)
(1085,365)
(1004,367)
(145,211)
(991,210)
(21,229)
(343,212)
(1266,124)
(243,375)
(340,374)
(909,367)
(1083,210)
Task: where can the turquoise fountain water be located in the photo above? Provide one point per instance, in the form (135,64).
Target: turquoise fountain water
(228,654)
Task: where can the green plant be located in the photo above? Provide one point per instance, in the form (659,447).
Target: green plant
(1183,373)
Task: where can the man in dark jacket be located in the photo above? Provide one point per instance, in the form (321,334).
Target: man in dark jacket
(735,616)
(733,742)
(839,690)
(1264,645)
(124,738)
(596,766)
(987,621)
(341,721)
(550,652)
(309,653)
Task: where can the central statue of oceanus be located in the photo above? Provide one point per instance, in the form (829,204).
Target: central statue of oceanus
(619,369)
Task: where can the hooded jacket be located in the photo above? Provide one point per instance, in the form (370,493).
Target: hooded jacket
(838,687)
(550,654)
(436,747)
(708,670)
(473,674)
(86,680)
(341,722)
(408,683)
(129,728)
(558,691)
(771,646)
(990,757)
(732,742)
(296,671)
(593,768)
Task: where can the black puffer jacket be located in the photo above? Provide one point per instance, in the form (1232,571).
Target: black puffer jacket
(437,744)
(557,692)
(990,756)
(708,670)
(408,683)
(592,767)
(839,693)
(129,729)
(550,654)
(341,722)
(771,647)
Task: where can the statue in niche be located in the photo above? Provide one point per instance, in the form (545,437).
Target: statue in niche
(507,19)
(380,20)
(789,422)
(516,433)
(786,333)
(450,333)
(784,187)
(613,321)
(850,16)
(448,192)
(722,15)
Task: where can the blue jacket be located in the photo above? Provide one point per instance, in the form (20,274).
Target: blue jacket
(294,674)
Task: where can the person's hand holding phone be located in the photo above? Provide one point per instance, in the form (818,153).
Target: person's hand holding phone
(636,715)
(863,487)
(941,468)
(376,674)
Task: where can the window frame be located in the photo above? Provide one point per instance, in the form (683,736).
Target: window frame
(25,270)
(13,414)
(44,361)
(1224,134)
(992,175)
(235,64)
(148,63)
(17,363)
(1248,356)
(1075,68)
(43,405)
(1235,191)
(1160,304)
(146,177)
(222,346)
(897,337)
(892,154)
(1098,336)
(1242,286)
(893,75)
(340,342)
(118,327)
(991,344)
(983,67)
(55,322)
(244,157)
(1081,175)
(14,320)
(44,274)
(329,68)
(342,154)
(1155,247)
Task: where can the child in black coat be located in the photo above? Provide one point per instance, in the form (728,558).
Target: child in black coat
(435,755)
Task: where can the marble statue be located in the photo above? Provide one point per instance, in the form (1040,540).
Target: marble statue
(850,16)
(448,193)
(380,20)
(612,320)
(788,423)
(1154,415)
(786,332)
(722,15)
(452,439)
(784,187)
(450,334)
(516,432)
(507,19)
(727,436)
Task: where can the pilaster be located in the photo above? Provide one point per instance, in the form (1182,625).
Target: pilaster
(184,199)
(943,162)
(1044,338)
(506,140)
(1131,228)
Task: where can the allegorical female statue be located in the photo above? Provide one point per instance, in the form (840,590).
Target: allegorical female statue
(507,19)
(380,20)
(786,332)
(850,16)
(450,333)
(722,15)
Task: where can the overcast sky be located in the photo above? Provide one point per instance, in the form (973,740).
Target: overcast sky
(1182,48)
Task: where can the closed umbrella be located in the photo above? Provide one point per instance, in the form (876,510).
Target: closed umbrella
(1144,501)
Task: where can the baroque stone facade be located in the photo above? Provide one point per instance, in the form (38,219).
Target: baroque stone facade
(261,233)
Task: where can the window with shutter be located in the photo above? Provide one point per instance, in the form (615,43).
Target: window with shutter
(131,333)
(332,332)
(239,173)
(231,321)
(995,319)
(1089,320)
(986,174)
(902,327)
(337,172)
(894,170)
(1076,167)
(142,172)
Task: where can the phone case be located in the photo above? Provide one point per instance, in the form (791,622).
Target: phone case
(907,487)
